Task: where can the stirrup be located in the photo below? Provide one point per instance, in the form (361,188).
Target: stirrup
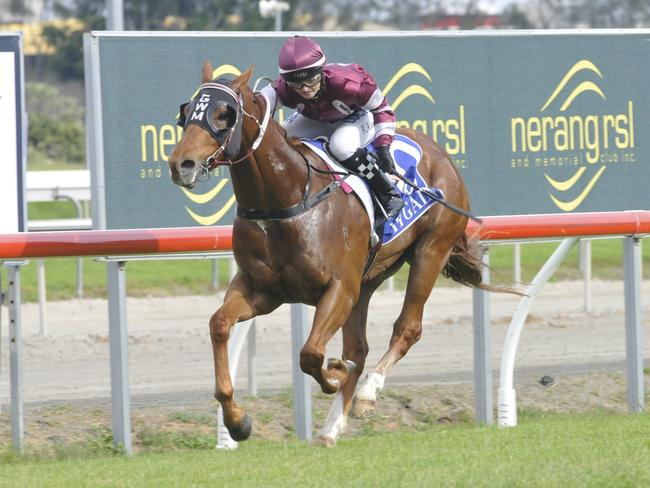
(391,206)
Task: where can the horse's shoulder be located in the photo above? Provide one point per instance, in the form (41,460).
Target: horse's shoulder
(295,143)
(303,149)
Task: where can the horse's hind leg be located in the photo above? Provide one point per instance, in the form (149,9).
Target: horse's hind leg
(239,304)
(426,264)
(355,349)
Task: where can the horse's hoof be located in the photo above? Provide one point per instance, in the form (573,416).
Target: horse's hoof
(323,441)
(330,386)
(363,409)
(242,431)
(342,365)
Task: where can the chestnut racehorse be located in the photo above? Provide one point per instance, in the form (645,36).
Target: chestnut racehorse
(293,250)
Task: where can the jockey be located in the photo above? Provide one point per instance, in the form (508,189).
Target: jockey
(342,102)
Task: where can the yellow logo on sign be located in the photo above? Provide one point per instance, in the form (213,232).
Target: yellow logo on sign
(589,142)
(449,133)
(411,89)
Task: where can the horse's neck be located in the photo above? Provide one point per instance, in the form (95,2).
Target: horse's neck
(274,176)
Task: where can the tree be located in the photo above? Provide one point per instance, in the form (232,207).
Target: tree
(513,18)
(56,129)
(593,13)
(67,59)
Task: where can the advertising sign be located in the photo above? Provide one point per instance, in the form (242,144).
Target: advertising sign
(536,122)
(12,216)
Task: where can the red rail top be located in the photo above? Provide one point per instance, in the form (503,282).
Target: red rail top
(521,227)
(213,239)
(115,242)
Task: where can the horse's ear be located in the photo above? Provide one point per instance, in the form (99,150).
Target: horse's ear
(206,75)
(242,79)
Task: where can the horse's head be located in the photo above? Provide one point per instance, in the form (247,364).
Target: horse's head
(212,123)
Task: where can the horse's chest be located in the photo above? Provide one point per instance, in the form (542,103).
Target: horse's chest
(282,262)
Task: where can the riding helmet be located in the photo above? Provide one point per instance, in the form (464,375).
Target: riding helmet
(300,58)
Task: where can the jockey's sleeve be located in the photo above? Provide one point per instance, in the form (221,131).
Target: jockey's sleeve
(272,97)
(383,116)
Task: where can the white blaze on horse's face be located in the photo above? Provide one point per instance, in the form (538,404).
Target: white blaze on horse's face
(188,158)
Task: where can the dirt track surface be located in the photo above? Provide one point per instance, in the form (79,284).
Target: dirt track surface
(170,356)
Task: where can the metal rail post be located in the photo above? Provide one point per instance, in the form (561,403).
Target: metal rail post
(516,262)
(301,390)
(114,15)
(42,295)
(2,302)
(585,267)
(252,360)
(483,350)
(507,395)
(215,274)
(80,263)
(15,355)
(633,327)
(117,332)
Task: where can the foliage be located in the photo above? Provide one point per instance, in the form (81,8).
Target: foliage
(56,126)
(314,15)
(67,59)
(593,13)
(513,18)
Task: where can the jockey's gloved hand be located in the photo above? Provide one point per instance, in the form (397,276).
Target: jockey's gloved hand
(385,159)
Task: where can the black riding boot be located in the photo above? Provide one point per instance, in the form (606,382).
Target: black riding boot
(387,194)
(364,164)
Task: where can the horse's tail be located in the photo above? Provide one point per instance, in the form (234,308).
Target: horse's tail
(466,267)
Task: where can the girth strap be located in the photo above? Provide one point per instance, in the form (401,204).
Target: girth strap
(297,209)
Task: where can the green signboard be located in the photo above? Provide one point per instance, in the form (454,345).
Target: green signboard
(537,122)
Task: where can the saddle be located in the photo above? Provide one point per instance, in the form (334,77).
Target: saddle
(406,154)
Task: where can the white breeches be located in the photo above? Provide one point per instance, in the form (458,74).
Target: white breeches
(346,136)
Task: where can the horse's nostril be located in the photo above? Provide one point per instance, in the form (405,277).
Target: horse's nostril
(187,164)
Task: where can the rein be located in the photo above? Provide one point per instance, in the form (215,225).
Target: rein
(307,202)
(435,197)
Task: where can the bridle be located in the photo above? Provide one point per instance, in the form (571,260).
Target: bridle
(229,140)
(201,107)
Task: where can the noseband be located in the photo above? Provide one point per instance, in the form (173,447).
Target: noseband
(202,107)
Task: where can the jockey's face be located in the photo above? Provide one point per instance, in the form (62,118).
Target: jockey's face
(308,88)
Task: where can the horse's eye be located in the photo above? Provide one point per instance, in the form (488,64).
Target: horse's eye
(226,118)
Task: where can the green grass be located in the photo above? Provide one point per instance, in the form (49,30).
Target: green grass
(37,161)
(606,260)
(144,278)
(543,451)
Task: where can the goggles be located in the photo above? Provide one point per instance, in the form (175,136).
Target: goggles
(308,83)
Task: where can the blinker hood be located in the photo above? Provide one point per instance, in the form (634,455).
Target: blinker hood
(201,112)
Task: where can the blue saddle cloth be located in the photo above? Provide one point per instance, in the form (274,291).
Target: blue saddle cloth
(407,154)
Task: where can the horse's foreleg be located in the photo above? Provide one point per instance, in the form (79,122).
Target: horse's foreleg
(332,310)
(407,329)
(239,304)
(355,349)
